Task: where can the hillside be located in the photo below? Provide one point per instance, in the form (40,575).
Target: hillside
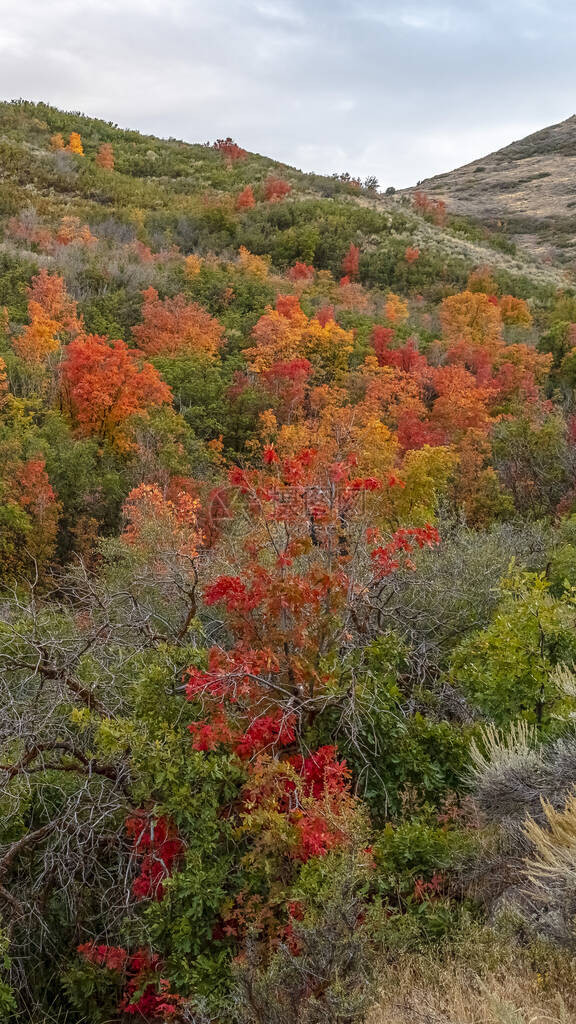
(287,595)
(169,180)
(526,189)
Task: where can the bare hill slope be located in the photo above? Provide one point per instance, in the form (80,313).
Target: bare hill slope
(527,188)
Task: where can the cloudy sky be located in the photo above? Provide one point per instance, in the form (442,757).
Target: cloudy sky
(399,90)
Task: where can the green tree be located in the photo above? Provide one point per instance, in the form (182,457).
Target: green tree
(506,670)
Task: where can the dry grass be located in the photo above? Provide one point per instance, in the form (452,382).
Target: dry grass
(418,991)
(527,187)
(555,846)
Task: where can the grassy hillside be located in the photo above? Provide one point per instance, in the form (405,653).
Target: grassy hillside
(163,189)
(287,595)
(525,188)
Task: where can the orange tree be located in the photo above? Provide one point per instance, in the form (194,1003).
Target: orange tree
(105,382)
(53,318)
(173,326)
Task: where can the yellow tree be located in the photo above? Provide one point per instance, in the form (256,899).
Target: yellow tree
(75,144)
(39,338)
(286,333)
(515,311)
(255,266)
(395,309)
(473,318)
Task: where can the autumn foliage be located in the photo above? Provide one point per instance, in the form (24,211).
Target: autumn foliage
(307,517)
(154,522)
(286,333)
(515,311)
(301,272)
(4,386)
(40,338)
(105,382)
(250,263)
(145,992)
(298,591)
(351,262)
(70,230)
(275,189)
(433,209)
(174,326)
(473,319)
(265,471)
(53,318)
(295,596)
(105,157)
(245,199)
(395,308)
(49,292)
(230,150)
(75,144)
(35,494)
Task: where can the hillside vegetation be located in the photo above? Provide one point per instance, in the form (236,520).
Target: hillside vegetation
(525,189)
(287,595)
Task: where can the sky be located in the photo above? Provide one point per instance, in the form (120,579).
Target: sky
(397,90)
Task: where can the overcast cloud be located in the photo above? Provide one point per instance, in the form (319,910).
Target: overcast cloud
(399,90)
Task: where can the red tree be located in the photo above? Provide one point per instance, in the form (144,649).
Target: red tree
(351,262)
(245,200)
(275,189)
(432,209)
(301,272)
(36,496)
(294,595)
(230,150)
(381,339)
(325,314)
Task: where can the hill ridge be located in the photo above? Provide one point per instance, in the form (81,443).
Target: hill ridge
(161,166)
(525,188)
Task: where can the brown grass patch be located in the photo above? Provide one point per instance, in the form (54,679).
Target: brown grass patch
(418,991)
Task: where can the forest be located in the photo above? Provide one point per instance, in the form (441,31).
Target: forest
(287,595)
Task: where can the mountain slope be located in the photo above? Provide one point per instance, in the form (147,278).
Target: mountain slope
(183,193)
(526,188)
(287,506)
